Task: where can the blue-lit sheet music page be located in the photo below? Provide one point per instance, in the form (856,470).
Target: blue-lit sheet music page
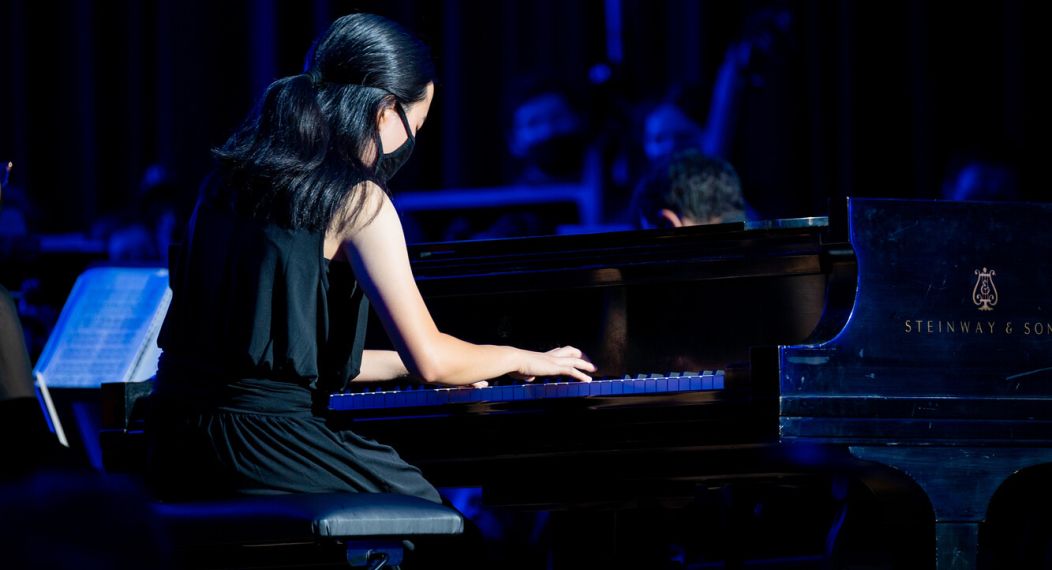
(107,331)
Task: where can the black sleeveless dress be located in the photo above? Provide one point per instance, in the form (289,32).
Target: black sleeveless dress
(260,330)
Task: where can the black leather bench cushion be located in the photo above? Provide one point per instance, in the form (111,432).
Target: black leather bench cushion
(303,518)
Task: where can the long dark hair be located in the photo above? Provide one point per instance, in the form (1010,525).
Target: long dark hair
(296,161)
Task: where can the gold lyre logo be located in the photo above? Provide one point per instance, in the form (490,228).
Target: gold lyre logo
(984,294)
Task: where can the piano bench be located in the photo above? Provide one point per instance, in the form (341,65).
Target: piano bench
(360,530)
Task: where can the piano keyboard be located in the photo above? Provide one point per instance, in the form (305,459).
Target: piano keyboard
(424,396)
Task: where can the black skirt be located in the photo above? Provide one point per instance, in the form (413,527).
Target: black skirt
(262,437)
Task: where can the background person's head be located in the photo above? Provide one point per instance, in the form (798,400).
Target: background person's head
(689,189)
(676,123)
(986,176)
(547,134)
(318,135)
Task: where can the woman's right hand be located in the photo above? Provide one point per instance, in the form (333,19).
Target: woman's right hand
(562,361)
(380,259)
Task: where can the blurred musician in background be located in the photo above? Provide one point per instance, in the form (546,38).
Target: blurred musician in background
(689,189)
(547,135)
(143,229)
(981,175)
(16,213)
(292,239)
(549,143)
(706,118)
(27,443)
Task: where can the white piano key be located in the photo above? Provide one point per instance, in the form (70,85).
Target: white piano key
(461,395)
(360,402)
(414,395)
(694,382)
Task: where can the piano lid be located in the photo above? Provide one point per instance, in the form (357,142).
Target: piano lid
(952,301)
(653,301)
(717,251)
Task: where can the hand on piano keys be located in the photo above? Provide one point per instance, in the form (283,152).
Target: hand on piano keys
(562,361)
(424,396)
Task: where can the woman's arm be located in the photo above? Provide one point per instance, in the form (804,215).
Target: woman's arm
(380,365)
(378,254)
(383,365)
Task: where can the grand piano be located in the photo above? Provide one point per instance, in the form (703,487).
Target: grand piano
(942,369)
(921,342)
(676,416)
(915,337)
(669,317)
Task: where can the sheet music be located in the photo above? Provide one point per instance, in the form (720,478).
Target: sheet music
(108,328)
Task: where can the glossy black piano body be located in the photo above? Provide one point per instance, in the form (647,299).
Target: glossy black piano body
(935,360)
(943,369)
(663,303)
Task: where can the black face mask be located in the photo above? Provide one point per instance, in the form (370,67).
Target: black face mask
(388,163)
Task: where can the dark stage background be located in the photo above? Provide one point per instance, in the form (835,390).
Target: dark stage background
(109,109)
(868,98)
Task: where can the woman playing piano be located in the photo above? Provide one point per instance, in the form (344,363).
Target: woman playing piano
(293,238)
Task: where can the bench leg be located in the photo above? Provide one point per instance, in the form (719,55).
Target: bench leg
(375,555)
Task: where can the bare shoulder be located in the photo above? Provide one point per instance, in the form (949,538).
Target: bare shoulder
(365,204)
